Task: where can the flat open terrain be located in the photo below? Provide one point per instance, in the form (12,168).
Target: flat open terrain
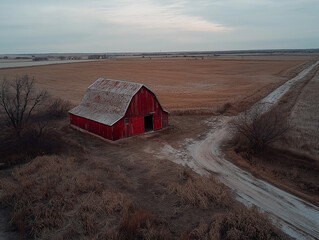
(29,63)
(173,200)
(178,83)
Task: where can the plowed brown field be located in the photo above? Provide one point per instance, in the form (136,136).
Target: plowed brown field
(178,83)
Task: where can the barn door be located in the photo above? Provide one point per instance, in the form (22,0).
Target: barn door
(137,124)
(148,123)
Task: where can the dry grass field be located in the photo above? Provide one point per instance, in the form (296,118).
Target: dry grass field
(96,189)
(101,190)
(178,83)
(304,136)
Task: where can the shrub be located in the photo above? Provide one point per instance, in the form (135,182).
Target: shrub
(38,138)
(19,99)
(261,129)
(27,121)
(57,108)
(224,108)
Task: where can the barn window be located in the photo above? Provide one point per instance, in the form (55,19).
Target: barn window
(142,90)
(126,121)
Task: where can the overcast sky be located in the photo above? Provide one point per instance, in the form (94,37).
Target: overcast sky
(42,26)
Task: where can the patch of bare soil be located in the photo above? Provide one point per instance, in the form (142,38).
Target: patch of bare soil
(292,163)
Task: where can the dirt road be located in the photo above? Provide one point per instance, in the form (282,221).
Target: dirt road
(295,217)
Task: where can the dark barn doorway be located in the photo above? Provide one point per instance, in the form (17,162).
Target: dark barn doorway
(148,121)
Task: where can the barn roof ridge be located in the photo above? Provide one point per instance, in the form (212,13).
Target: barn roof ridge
(120,81)
(119,96)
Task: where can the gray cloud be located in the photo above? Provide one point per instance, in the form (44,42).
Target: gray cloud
(150,25)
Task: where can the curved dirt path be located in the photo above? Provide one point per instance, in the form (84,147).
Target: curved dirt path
(294,216)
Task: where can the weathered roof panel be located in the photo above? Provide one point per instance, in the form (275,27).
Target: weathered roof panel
(107,100)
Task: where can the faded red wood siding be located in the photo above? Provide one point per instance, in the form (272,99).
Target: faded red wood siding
(137,125)
(92,126)
(144,103)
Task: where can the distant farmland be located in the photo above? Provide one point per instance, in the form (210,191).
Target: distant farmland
(179,83)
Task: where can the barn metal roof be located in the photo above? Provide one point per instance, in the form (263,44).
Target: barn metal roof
(106,100)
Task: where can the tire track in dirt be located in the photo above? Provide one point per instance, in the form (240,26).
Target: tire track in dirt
(296,217)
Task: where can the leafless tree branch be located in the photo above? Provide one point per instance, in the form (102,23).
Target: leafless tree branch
(259,128)
(19,99)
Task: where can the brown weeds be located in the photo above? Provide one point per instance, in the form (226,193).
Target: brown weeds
(142,225)
(242,223)
(51,196)
(201,191)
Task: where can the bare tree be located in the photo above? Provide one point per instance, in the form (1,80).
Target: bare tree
(19,99)
(259,128)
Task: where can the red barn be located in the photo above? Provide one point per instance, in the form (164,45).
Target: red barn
(116,109)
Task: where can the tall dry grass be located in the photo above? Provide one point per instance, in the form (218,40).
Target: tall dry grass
(55,198)
(52,197)
(242,223)
(142,225)
(200,191)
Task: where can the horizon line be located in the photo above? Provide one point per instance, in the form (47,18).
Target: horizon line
(175,52)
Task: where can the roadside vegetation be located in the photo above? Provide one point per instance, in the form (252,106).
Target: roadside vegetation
(256,130)
(281,146)
(201,191)
(241,223)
